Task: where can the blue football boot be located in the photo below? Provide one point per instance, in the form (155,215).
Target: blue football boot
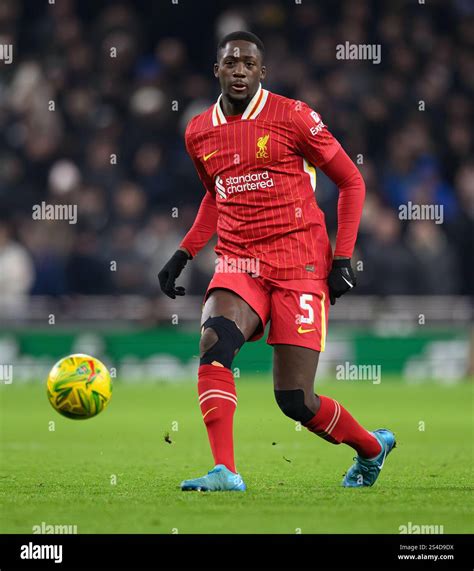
(219,479)
(365,472)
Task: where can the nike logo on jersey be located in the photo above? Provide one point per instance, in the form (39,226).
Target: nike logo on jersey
(301,330)
(207,157)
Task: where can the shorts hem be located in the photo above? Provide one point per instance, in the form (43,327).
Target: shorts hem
(260,328)
(313,346)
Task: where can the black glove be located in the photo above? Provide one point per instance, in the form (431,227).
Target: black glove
(341,279)
(171,270)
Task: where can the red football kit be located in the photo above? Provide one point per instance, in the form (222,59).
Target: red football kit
(273,249)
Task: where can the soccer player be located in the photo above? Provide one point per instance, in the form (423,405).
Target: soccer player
(255,153)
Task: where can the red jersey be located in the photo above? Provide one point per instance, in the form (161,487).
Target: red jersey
(260,169)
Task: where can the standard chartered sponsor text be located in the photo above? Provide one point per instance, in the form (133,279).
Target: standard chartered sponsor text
(244,183)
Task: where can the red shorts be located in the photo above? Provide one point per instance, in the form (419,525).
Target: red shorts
(297,309)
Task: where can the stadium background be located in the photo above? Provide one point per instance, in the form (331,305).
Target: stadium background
(113,145)
(79,126)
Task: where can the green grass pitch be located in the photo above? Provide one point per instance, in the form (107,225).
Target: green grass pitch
(117,474)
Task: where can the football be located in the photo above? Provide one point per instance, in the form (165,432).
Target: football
(79,386)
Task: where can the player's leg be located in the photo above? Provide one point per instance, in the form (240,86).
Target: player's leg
(294,370)
(298,329)
(230,317)
(227,322)
(294,373)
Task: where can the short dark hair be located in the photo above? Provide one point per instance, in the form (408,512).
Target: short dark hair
(241,35)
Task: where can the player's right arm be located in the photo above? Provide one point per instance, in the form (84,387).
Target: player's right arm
(202,230)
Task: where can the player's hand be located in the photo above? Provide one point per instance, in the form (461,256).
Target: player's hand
(170,272)
(341,279)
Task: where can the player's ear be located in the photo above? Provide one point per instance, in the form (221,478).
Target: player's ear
(263,72)
(216,70)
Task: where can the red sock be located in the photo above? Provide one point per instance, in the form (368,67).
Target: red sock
(218,401)
(333,423)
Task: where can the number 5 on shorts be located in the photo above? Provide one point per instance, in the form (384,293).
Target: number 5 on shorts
(304,299)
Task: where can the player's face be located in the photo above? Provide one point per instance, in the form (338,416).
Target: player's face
(239,70)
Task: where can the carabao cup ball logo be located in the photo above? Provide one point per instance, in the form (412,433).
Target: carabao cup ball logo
(79,386)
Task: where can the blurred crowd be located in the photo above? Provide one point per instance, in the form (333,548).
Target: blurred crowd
(94,106)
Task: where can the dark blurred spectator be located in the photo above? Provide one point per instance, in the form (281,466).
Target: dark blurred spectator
(86,270)
(156,243)
(102,166)
(151,175)
(129,268)
(129,204)
(16,270)
(436,263)
(48,243)
(388,266)
(92,208)
(462,228)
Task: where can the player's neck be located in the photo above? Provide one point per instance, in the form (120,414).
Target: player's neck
(230,107)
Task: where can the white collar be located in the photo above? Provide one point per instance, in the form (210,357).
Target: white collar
(256,104)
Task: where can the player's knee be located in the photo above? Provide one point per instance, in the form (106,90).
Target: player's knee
(292,404)
(208,340)
(220,341)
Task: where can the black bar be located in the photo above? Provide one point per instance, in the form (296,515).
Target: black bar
(239,551)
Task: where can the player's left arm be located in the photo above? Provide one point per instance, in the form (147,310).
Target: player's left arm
(322,149)
(343,172)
